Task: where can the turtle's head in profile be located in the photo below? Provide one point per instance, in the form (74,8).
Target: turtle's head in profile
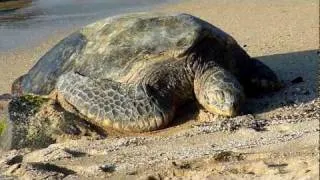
(219,92)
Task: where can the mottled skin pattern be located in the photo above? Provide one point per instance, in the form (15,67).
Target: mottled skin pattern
(132,72)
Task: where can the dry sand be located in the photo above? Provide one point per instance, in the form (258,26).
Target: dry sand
(277,138)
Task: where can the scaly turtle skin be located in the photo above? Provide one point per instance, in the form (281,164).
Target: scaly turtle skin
(132,72)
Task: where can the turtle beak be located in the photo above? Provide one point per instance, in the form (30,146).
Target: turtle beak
(231,110)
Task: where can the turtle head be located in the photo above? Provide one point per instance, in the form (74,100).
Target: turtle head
(219,92)
(225,102)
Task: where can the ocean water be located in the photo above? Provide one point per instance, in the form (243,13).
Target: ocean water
(43,18)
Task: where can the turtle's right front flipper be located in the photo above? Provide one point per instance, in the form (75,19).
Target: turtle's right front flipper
(112,104)
(257,77)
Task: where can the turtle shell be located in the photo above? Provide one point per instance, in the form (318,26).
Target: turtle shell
(119,48)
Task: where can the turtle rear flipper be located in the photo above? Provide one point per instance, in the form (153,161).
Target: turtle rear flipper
(112,104)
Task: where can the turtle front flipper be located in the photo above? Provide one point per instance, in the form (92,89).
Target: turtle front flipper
(107,103)
(218,91)
(257,77)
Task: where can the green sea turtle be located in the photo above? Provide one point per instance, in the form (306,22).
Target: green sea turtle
(132,72)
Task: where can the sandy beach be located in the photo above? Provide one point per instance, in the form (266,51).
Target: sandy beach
(282,33)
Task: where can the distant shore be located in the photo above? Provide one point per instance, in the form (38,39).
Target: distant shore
(8,5)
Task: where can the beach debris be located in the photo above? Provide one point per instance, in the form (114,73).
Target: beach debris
(6,96)
(226,156)
(108,168)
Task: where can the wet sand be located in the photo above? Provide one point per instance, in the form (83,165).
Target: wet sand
(282,33)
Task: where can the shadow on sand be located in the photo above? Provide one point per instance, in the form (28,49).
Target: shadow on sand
(290,67)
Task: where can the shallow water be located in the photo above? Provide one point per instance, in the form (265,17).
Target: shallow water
(44,18)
